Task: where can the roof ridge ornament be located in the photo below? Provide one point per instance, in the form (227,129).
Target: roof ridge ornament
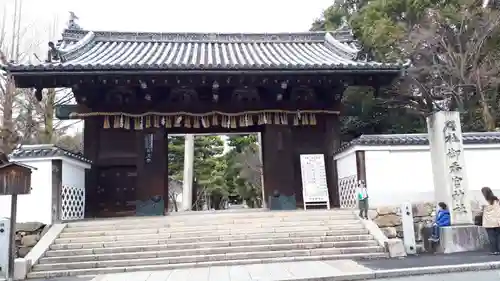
(72,22)
(53,54)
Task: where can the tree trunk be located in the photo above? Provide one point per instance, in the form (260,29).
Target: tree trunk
(48,128)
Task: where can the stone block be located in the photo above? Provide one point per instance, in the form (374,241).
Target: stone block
(388,220)
(21,268)
(386,210)
(423,209)
(462,238)
(395,247)
(30,240)
(372,214)
(390,232)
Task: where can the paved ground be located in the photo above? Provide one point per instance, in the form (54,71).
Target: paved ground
(493,275)
(260,272)
(430,260)
(312,269)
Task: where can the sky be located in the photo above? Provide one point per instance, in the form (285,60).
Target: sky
(176,15)
(44,20)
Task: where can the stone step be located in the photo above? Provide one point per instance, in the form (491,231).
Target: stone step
(166,221)
(200,216)
(292,232)
(211,241)
(153,259)
(53,273)
(55,256)
(159,253)
(208,228)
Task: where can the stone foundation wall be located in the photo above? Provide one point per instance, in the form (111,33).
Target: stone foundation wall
(388,218)
(27,235)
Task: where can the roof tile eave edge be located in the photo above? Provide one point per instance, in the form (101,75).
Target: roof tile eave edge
(423,142)
(59,68)
(53,157)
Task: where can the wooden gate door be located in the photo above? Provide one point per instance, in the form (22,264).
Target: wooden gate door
(116,191)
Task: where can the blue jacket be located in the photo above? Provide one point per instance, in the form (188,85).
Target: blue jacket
(443,218)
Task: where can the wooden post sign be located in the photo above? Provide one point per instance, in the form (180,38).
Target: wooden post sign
(15,179)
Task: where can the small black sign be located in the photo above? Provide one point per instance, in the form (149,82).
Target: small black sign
(148,148)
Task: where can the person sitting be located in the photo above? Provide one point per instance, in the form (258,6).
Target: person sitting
(442,220)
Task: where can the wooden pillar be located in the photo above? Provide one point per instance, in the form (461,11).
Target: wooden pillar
(91,138)
(151,170)
(278,160)
(306,140)
(331,144)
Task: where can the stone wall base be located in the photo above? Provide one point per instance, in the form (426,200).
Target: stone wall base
(462,238)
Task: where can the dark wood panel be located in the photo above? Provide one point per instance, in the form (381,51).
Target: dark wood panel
(116,191)
(116,142)
(152,184)
(279,174)
(91,143)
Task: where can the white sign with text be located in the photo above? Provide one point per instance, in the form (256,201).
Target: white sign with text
(314,184)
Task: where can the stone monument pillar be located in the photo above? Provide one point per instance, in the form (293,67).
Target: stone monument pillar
(448,165)
(187,185)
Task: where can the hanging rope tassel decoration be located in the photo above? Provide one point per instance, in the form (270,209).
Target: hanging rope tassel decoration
(156,121)
(233,122)
(121,121)
(264,118)
(312,119)
(148,121)
(137,123)
(277,119)
(196,123)
(187,122)
(141,123)
(260,120)
(126,122)
(223,121)
(245,120)
(249,119)
(116,121)
(305,119)
(106,124)
(215,120)
(205,122)
(168,122)
(296,120)
(284,118)
(178,121)
(241,120)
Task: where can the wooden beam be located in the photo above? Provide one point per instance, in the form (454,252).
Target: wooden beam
(65,112)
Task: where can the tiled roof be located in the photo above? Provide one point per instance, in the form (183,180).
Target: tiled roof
(45,151)
(418,139)
(87,50)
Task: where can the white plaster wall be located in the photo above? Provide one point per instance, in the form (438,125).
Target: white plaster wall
(36,206)
(400,175)
(346,164)
(73,175)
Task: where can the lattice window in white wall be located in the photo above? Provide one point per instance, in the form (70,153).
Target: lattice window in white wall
(72,203)
(347,190)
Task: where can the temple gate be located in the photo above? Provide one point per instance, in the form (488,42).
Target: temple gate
(133,89)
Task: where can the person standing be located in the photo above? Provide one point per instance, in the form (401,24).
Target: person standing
(362,199)
(491,219)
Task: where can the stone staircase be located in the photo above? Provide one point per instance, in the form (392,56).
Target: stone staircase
(194,240)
